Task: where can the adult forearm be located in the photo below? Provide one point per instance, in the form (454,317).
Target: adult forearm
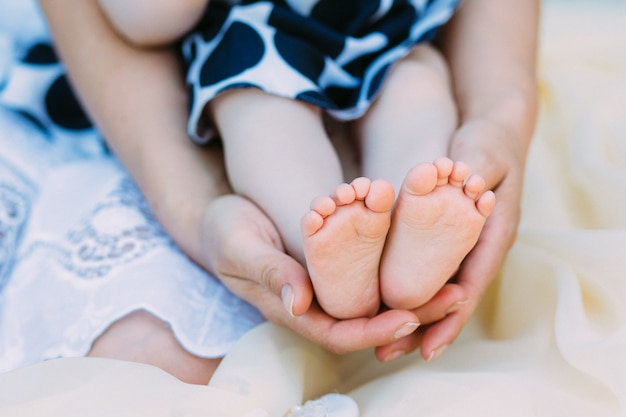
(491,46)
(138,101)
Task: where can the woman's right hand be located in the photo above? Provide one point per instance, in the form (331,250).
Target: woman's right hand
(243,248)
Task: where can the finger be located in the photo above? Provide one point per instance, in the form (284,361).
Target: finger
(445,314)
(485,148)
(474,276)
(447,300)
(432,340)
(438,336)
(281,275)
(401,347)
(246,252)
(343,336)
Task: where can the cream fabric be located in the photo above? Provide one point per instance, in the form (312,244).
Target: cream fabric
(549,339)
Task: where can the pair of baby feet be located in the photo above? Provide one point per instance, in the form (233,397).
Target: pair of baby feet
(362,245)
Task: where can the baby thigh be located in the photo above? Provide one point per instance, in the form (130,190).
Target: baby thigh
(150,23)
(412,120)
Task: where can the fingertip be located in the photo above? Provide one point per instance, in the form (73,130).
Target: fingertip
(297,295)
(289,281)
(440,335)
(400,347)
(405,329)
(392,325)
(287,296)
(449,297)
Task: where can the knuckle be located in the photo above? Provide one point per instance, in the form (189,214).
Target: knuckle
(267,278)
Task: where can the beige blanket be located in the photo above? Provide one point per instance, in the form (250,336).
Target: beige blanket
(549,339)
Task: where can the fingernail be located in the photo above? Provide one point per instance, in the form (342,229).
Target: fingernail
(456,306)
(286,294)
(394,355)
(405,330)
(436,353)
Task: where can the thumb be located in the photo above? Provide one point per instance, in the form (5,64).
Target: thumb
(287,278)
(245,250)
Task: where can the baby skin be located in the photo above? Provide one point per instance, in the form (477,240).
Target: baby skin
(359,248)
(343,239)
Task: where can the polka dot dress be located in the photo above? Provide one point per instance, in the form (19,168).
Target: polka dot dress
(331,53)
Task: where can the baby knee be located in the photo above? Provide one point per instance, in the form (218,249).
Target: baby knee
(424,65)
(152,23)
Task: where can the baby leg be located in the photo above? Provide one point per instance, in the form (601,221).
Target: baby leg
(411,123)
(278,155)
(150,23)
(344,237)
(438,217)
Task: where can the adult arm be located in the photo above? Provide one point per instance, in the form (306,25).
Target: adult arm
(491,46)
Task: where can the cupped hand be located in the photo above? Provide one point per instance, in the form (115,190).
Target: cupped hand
(244,250)
(499,156)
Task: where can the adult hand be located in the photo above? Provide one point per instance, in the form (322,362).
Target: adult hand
(244,249)
(499,156)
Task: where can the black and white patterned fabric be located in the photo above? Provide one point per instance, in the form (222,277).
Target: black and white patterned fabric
(331,53)
(79,246)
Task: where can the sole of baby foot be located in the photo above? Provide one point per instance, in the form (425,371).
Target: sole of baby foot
(329,405)
(343,239)
(439,214)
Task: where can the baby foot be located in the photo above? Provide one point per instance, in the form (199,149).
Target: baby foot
(438,217)
(329,405)
(344,236)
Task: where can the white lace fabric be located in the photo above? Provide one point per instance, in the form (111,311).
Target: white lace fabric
(79,247)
